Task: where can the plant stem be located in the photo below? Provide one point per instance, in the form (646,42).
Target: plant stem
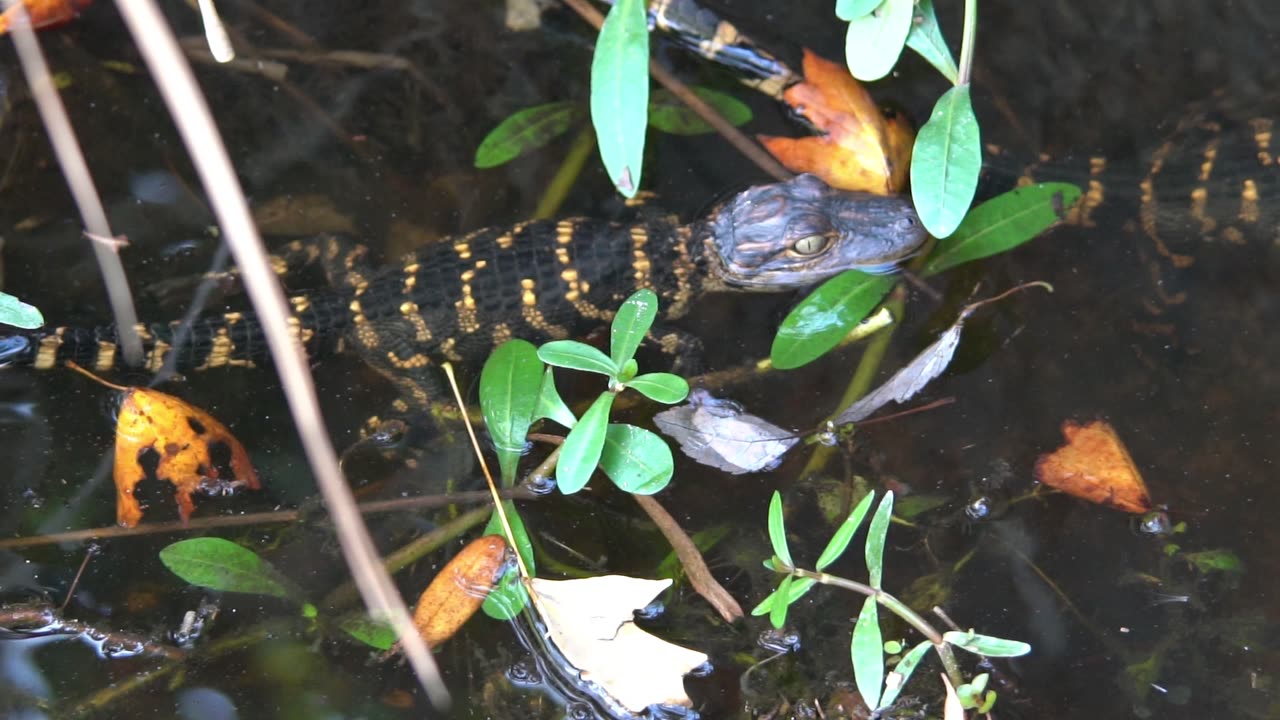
(966,43)
(899,608)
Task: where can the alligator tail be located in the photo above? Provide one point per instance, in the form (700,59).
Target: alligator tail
(230,340)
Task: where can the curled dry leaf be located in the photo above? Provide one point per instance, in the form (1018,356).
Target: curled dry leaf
(591,623)
(1094,465)
(45,12)
(862,148)
(195,452)
(718,433)
(460,589)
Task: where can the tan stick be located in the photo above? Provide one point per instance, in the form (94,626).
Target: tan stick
(195,123)
(694,566)
(76,171)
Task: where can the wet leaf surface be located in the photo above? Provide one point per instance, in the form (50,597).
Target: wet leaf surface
(1095,465)
(458,590)
(824,318)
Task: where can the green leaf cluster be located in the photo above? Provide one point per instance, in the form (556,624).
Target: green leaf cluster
(518,389)
(868,649)
(634,458)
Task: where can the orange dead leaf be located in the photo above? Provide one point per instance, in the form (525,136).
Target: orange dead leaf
(1094,465)
(459,589)
(45,12)
(862,148)
(190,448)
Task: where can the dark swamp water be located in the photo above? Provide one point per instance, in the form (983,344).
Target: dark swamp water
(1178,359)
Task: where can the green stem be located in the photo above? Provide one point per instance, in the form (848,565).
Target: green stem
(899,608)
(862,378)
(966,43)
(550,202)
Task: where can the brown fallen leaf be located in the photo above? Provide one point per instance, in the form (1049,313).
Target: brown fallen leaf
(45,13)
(591,622)
(1094,465)
(862,147)
(184,440)
(460,588)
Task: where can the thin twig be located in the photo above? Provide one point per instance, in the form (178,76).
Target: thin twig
(741,142)
(89,553)
(76,171)
(694,565)
(262,518)
(191,114)
(44,620)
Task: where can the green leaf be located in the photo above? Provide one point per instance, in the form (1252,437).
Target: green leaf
(525,130)
(637,460)
(926,39)
(628,371)
(778,530)
(660,387)
(945,163)
(576,356)
(778,613)
(508,596)
(986,644)
(1003,223)
(901,673)
(1208,561)
(376,634)
(875,40)
(581,449)
(550,405)
(840,541)
(668,114)
(219,564)
(876,535)
(19,314)
(822,320)
(620,92)
(509,386)
(868,658)
(630,325)
(796,590)
(851,9)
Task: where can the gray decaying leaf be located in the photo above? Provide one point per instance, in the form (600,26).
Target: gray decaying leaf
(911,379)
(926,366)
(718,433)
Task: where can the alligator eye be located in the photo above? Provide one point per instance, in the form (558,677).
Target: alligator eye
(811,244)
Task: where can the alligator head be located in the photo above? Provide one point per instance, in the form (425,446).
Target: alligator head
(796,233)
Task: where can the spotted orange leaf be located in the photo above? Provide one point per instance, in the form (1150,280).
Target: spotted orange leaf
(158,435)
(45,12)
(460,588)
(1094,465)
(862,147)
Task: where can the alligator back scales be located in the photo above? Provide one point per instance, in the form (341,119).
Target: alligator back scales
(538,280)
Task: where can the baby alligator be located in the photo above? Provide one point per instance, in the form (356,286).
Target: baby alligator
(537,280)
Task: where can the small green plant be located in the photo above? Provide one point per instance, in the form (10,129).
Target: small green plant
(867,648)
(517,389)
